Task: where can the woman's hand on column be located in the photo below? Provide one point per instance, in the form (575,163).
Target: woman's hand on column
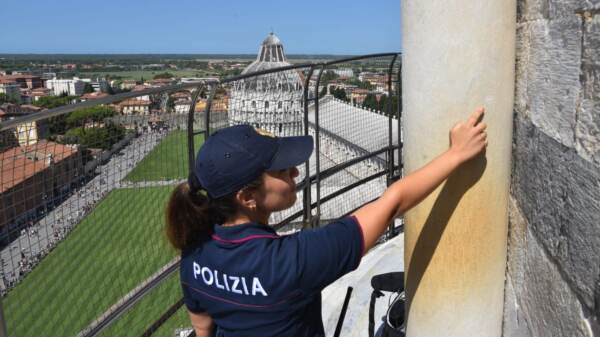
(467,139)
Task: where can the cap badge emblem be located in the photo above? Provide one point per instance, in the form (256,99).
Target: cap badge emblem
(264,132)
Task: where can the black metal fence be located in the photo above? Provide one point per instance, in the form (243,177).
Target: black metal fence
(84,186)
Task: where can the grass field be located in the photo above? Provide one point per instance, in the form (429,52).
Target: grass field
(168,160)
(111,251)
(149,309)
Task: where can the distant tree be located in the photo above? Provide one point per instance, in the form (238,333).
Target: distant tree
(50,102)
(382,105)
(340,93)
(220,91)
(395,101)
(323,91)
(57,125)
(327,76)
(236,71)
(163,75)
(361,84)
(171,104)
(95,114)
(370,102)
(102,137)
(88,88)
(7,99)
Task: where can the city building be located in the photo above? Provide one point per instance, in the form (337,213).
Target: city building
(11,89)
(31,132)
(344,73)
(9,110)
(26,97)
(39,92)
(128,84)
(98,84)
(272,102)
(72,87)
(48,76)
(31,176)
(358,95)
(25,81)
(135,106)
(27,133)
(181,102)
(141,87)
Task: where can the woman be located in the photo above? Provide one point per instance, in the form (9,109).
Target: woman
(239,277)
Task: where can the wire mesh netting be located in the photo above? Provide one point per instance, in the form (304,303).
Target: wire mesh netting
(353,129)
(83,192)
(83,198)
(354,116)
(357,104)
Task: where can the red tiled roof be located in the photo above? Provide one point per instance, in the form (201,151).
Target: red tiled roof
(181,95)
(139,87)
(18,164)
(40,92)
(14,77)
(93,95)
(134,102)
(30,107)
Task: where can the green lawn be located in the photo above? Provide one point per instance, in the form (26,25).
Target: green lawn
(168,160)
(112,250)
(149,309)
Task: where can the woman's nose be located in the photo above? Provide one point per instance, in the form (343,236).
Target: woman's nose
(294,172)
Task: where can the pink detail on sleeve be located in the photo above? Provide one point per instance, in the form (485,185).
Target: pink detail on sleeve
(248,238)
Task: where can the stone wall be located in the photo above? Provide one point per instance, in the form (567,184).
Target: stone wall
(553,273)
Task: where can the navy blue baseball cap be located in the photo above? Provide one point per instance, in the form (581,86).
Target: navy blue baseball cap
(235,156)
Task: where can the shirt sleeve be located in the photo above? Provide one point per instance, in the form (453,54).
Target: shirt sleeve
(192,304)
(327,253)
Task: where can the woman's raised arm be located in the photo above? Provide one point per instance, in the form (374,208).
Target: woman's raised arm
(467,139)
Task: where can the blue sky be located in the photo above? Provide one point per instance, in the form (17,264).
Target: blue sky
(198,26)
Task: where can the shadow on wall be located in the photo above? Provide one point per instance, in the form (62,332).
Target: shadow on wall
(456,186)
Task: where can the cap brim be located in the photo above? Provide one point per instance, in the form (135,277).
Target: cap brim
(292,152)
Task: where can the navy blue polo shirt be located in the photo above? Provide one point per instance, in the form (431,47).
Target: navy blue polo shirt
(254,282)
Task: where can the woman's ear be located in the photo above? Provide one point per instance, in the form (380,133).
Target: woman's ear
(246,199)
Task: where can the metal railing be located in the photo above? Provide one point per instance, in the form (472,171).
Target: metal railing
(103,181)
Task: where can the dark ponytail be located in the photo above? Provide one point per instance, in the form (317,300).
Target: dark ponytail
(191,214)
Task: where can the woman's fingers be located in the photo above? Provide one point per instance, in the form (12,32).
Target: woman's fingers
(481,127)
(475,116)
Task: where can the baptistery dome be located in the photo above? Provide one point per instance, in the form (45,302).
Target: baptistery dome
(272,101)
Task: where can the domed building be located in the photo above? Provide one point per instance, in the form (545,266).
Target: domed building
(273,101)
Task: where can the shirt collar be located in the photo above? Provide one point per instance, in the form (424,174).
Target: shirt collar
(243,232)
